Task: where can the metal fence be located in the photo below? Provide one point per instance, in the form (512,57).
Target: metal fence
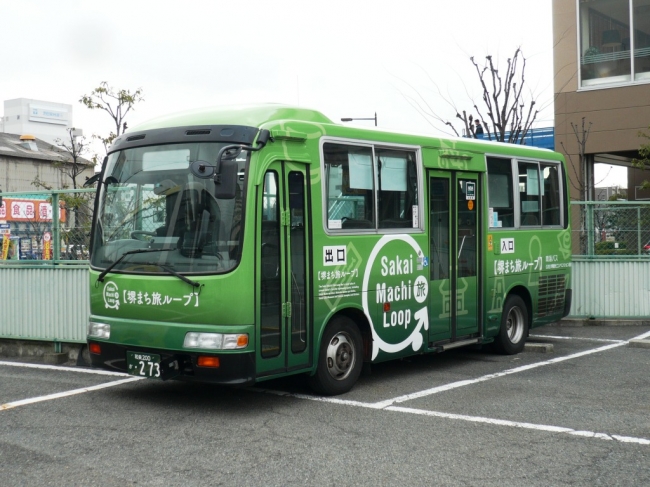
(612,230)
(33,233)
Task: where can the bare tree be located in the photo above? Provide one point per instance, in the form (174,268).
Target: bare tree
(580,181)
(508,110)
(644,161)
(74,147)
(504,101)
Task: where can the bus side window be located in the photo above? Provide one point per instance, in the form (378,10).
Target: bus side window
(529,194)
(551,194)
(350,186)
(398,188)
(500,192)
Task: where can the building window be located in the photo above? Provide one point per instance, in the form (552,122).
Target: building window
(614,41)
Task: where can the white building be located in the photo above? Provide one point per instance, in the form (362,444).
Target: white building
(45,120)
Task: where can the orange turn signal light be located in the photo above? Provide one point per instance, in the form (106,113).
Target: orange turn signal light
(242,341)
(386,307)
(95,348)
(206,361)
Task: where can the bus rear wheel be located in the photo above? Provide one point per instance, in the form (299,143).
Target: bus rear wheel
(514,326)
(340,358)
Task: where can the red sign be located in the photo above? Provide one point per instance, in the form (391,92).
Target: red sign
(28,211)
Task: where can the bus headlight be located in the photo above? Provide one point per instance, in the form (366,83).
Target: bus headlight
(215,341)
(99,330)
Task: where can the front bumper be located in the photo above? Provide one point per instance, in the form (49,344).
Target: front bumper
(234,369)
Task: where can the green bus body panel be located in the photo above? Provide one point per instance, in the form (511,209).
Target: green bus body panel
(377,269)
(168,299)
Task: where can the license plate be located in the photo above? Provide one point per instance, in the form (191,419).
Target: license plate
(143,364)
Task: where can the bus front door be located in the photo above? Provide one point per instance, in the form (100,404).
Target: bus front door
(284,268)
(453,255)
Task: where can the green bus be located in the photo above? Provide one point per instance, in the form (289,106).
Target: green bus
(247,243)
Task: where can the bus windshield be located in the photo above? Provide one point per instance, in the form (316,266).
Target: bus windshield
(149,199)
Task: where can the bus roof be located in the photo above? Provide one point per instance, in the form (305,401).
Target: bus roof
(248,115)
(265,115)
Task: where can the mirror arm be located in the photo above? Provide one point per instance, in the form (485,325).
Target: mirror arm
(262,139)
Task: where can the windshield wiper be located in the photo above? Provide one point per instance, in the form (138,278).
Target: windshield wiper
(101,276)
(170,268)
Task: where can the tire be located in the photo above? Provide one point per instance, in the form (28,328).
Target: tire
(514,326)
(340,358)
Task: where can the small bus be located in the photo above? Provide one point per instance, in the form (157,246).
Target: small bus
(242,244)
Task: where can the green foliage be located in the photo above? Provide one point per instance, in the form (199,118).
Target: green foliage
(609,248)
(117,103)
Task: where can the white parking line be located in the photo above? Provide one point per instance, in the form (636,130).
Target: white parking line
(388,404)
(515,424)
(58,395)
(587,339)
(66,369)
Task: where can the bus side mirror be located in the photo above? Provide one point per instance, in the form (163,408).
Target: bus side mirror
(226,185)
(92,179)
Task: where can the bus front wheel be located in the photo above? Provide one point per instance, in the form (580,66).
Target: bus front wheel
(514,326)
(340,359)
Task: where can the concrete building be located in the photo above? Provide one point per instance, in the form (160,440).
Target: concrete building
(45,120)
(24,159)
(602,75)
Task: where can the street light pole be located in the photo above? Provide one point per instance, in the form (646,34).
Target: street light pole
(349,119)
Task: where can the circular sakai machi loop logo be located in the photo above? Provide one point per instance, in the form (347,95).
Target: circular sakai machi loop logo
(400,294)
(111,295)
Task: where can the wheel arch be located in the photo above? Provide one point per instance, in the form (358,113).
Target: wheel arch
(524,294)
(358,317)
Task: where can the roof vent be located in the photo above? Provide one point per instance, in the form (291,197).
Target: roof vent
(198,132)
(28,142)
(135,137)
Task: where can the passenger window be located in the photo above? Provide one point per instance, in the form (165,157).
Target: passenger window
(398,189)
(550,194)
(350,184)
(529,194)
(500,194)
(370,190)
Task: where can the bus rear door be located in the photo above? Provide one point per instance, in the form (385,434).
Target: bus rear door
(454,255)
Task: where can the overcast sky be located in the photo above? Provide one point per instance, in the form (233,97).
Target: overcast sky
(345,58)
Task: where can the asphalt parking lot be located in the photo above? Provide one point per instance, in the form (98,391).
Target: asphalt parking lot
(577,416)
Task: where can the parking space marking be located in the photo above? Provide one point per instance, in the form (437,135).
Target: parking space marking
(587,339)
(67,369)
(388,405)
(58,395)
(515,424)
(516,370)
